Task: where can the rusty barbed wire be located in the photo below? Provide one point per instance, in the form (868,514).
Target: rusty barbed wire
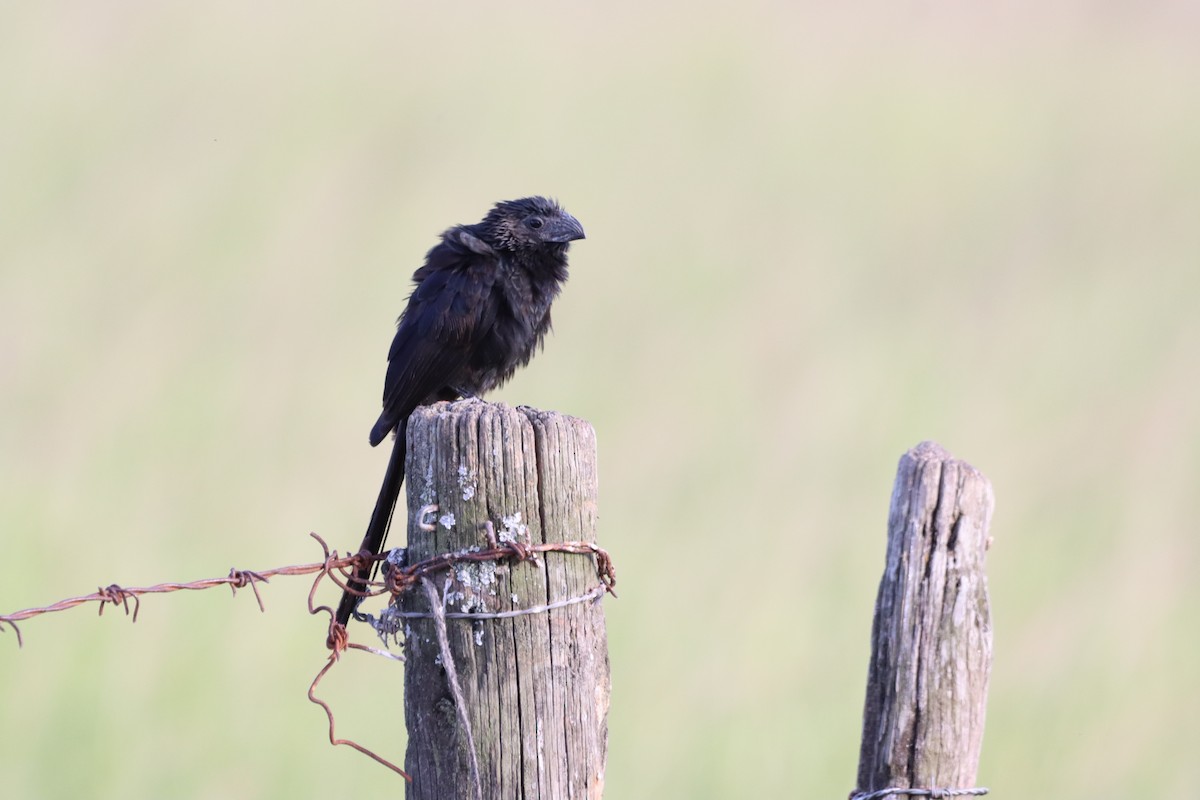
(339,570)
(118,595)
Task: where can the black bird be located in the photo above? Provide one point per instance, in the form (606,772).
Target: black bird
(479,309)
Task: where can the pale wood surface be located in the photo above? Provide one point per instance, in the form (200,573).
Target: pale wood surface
(536,686)
(931,649)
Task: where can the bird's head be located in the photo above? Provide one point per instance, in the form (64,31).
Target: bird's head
(531,223)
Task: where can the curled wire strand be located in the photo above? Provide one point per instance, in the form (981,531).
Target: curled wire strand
(333,738)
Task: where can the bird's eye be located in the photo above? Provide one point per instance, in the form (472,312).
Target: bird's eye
(535,222)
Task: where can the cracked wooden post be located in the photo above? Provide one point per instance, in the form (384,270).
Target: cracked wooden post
(536,686)
(931,641)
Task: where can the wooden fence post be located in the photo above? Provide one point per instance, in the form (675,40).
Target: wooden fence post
(931,641)
(536,686)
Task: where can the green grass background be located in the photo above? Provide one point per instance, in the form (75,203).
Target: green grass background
(818,234)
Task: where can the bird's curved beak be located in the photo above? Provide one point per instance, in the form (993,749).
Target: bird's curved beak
(563,228)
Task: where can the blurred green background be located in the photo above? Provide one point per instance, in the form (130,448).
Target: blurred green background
(817,236)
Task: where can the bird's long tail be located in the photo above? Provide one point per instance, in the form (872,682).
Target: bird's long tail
(381,520)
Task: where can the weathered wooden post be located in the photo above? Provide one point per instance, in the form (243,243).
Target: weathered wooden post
(534,687)
(931,641)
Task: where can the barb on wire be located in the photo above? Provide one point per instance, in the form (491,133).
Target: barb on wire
(117,596)
(240,579)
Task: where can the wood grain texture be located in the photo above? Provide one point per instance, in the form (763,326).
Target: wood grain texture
(931,649)
(536,686)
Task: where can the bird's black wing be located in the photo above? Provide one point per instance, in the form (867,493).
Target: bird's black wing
(450,311)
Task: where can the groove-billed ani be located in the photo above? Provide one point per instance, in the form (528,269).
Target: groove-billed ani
(480,307)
